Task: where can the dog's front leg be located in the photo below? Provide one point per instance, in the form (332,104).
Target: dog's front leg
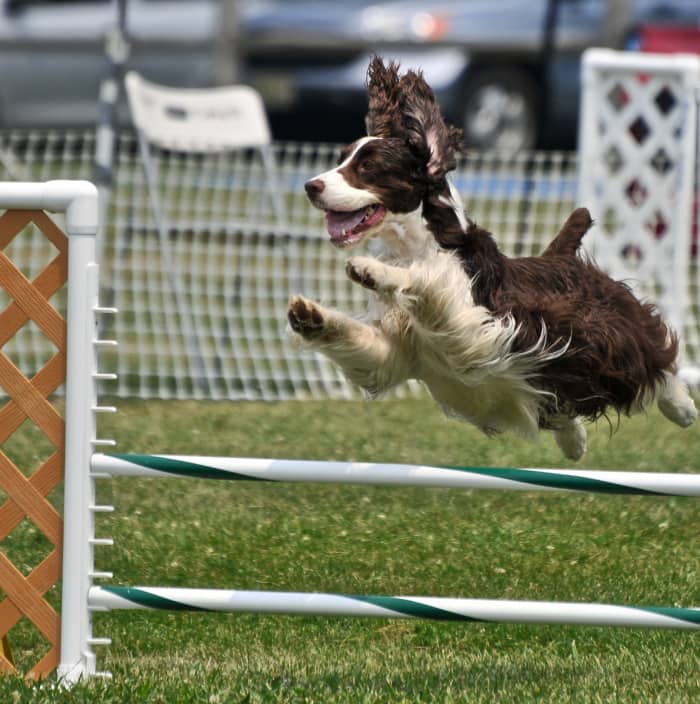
(368,356)
(383,279)
(434,293)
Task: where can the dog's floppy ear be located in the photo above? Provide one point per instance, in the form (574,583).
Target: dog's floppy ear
(423,123)
(383,118)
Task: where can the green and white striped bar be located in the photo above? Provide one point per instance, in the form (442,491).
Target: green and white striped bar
(436,608)
(648,483)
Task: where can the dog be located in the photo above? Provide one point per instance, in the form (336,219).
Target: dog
(507,344)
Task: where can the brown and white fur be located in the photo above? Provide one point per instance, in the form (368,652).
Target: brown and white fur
(507,344)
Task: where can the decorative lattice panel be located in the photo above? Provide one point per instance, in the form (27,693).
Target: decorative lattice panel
(637,160)
(24,587)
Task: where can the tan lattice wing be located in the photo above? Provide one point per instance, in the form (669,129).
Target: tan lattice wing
(28,399)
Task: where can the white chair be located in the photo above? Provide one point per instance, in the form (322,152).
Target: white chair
(197,121)
(202,121)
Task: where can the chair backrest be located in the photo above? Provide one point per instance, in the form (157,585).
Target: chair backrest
(197,119)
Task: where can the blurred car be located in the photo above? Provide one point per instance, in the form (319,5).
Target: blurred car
(52,54)
(495,70)
(665,38)
(489,61)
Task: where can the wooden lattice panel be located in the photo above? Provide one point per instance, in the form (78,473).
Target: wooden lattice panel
(24,596)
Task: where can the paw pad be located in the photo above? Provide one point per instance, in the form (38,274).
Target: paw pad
(360,274)
(304,317)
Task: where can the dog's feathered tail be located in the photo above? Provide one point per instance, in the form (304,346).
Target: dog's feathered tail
(568,240)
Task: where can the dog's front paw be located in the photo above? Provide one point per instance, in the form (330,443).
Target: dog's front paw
(304,317)
(362,270)
(376,276)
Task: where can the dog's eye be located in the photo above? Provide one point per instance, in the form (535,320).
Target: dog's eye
(366,165)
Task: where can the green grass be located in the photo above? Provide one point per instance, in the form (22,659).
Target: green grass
(373,540)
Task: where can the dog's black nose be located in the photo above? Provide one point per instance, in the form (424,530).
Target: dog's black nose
(314,187)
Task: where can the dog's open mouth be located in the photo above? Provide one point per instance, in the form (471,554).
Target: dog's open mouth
(346,228)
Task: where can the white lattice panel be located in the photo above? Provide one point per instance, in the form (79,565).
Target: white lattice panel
(637,161)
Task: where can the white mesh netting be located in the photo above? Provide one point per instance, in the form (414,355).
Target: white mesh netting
(239,264)
(237,253)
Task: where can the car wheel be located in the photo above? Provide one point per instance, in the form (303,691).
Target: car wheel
(499,110)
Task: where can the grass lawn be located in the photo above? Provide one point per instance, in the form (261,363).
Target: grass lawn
(374,540)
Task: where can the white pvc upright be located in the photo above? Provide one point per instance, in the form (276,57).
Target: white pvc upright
(77,658)
(78,201)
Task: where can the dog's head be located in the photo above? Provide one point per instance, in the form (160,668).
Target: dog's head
(391,172)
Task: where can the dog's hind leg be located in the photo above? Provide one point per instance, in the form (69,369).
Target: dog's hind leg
(675,402)
(365,353)
(571,437)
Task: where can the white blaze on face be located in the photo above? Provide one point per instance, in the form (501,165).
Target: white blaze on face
(338,194)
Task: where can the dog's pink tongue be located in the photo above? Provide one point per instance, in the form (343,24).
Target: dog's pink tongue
(339,224)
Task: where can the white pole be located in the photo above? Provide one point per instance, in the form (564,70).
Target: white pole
(686,183)
(77,199)
(79,202)
(76,660)
(437,608)
(587,131)
(512,478)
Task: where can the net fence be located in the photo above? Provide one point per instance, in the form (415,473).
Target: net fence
(239,251)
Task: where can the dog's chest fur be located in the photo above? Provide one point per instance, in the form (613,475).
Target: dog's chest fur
(457,348)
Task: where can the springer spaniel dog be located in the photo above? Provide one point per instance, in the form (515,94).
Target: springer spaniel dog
(508,344)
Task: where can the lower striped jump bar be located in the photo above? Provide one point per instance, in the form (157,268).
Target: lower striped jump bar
(436,608)
(647,483)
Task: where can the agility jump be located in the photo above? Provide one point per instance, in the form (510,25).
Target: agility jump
(82,597)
